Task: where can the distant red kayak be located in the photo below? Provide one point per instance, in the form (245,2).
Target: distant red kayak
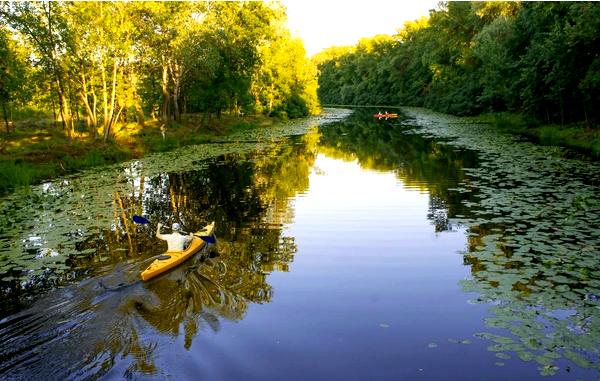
(385,115)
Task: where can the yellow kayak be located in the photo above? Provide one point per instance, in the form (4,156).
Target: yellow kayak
(175,258)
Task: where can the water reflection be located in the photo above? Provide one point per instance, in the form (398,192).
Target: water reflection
(246,194)
(418,161)
(533,247)
(369,214)
(81,226)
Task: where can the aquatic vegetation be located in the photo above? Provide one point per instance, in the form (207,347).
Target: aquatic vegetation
(533,244)
(71,217)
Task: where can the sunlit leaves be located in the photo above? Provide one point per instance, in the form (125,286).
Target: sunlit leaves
(123,61)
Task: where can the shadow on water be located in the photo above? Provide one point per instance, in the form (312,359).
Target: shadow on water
(84,331)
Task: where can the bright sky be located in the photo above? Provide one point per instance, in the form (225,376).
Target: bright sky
(325,23)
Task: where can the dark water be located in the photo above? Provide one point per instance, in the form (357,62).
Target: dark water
(359,249)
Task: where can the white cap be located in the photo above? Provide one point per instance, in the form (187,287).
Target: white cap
(176,226)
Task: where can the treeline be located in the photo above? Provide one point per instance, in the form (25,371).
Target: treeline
(102,63)
(539,59)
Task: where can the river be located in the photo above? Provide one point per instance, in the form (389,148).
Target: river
(424,247)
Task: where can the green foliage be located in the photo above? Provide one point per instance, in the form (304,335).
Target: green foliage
(286,83)
(575,137)
(535,58)
(13,75)
(93,158)
(509,121)
(30,113)
(114,62)
(242,126)
(90,159)
(158,144)
(354,75)
(14,174)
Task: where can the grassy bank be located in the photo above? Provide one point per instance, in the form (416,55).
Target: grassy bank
(578,137)
(38,149)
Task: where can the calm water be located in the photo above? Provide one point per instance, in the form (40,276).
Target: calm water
(354,249)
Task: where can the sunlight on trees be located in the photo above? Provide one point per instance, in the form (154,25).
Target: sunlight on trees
(95,65)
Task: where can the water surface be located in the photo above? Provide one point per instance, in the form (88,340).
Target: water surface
(418,248)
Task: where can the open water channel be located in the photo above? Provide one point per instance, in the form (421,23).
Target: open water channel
(420,248)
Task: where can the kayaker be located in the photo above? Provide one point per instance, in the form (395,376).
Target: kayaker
(176,241)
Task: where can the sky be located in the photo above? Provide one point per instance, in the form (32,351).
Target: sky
(325,23)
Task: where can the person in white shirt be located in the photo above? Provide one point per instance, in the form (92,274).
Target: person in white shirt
(176,241)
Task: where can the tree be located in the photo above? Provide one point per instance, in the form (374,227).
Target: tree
(493,48)
(13,72)
(540,59)
(238,30)
(285,83)
(102,63)
(45,27)
(114,61)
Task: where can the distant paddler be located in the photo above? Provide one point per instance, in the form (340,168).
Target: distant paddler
(385,115)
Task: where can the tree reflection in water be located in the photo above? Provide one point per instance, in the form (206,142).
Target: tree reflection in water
(113,325)
(246,194)
(531,216)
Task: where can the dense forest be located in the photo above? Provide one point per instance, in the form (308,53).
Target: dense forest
(96,64)
(537,59)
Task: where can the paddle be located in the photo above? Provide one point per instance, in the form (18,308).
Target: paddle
(140,220)
(144,221)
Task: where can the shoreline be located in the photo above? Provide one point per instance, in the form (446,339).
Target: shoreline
(37,151)
(33,154)
(576,137)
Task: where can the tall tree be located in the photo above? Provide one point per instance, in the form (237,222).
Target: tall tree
(115,60)
(44,25)
(285,82)
(13,73)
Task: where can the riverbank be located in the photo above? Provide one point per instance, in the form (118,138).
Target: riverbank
(578,137)
(39,150)
(575,136)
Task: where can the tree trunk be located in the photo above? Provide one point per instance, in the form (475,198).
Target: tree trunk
(65,112)
(177,114)
(104,98)
(165,93)
(53,104)
(562,110)
(111,113)
(5,114)
(90,114)
(139,112)
(12,121)
(62,98)
(176,75)
(95,112)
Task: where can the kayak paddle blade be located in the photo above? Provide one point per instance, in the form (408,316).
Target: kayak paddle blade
(140,220)
(207,238)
